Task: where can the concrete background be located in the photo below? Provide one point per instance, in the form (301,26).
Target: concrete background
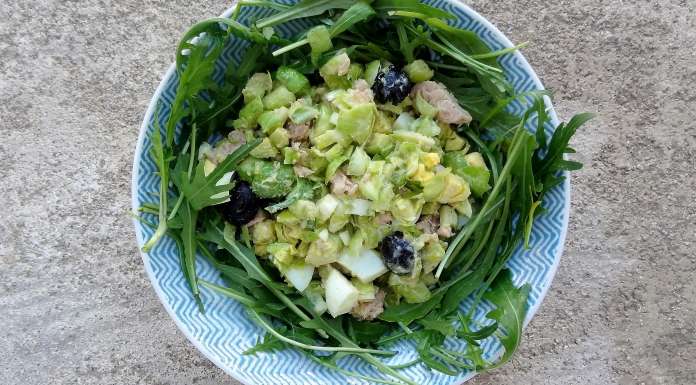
(77,308)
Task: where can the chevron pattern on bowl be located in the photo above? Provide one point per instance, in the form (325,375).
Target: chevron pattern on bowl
(224,332)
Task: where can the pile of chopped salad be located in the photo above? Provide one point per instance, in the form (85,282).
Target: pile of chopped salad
(353,191)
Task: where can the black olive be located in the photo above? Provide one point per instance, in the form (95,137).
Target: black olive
(391,85)
(398,253)
(243,204)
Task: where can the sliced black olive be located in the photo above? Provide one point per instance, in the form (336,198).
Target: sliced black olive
(243,204)
(398,253)
(391,85)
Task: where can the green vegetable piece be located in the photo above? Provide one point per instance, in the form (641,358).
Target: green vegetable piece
(257,86)
(265,149)
(249,114)
(431,255)
(355,72)
(371,71)
(290,155)
(424,108)
(303,190)
(337,65)
(406,211)
(426,126)
(471,168)
(358,162)
(455,143)
(319,39)
(357,122)
(324,250)
(329,138)
(279,138)
(412,289)
(305,209)
(279,97)
(282,252)
(302,112)
(510,311)
(268,179)
(333,166)
(293,80)
(270,120)
(381,144)
(263,233)
(446,187)
(285,217)
(418,71)
(315,294)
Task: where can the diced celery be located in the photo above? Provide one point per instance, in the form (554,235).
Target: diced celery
(249,114)
(293,80)
(301,112)
(270,120)
(290,155)
(355,72)
(383,123)
(279,138)
(323,122)
(418,71)
(329,138)
(319,39)
(381,144)
(371,71)
(315,294)
(279,97)
(360,207)
(265,149)
(357,122)
(425,142)
(335,152)
(371,183)
(339,218)
(448,217)
(257,86)
(333,166)
(358,162)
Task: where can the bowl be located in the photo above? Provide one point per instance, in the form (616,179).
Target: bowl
(224,332)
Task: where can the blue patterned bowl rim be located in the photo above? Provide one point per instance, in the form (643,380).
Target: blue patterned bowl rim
(533,304)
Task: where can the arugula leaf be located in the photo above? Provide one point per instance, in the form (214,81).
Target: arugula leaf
(200,190)
(188,237)
(357,13)
(160,156)
(305,8)
(510,312)
(303,190)
(386,6)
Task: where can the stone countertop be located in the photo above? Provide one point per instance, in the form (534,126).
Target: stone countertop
(77,308)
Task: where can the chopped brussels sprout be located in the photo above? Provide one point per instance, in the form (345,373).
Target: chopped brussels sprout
(411,289)
(265,149)
(323,251)
(357,122)
(315,295)
(406,211)
(379,143)
(304,209)
(446,187)
(268,179)
(426,126)
(282,252)
(270,120)
(424,108)
(263,233)
(366,290)
(302,112)
(337,65)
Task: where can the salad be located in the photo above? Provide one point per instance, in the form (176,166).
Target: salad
(353,184)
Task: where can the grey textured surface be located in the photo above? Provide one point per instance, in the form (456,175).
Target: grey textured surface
(77,308)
